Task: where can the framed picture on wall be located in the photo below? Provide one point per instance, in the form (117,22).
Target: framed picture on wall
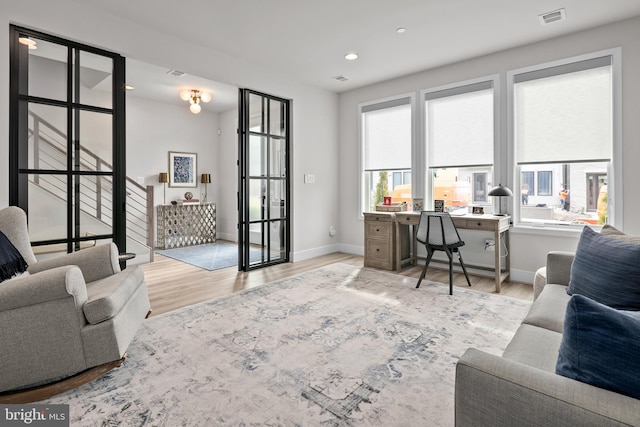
(183,169)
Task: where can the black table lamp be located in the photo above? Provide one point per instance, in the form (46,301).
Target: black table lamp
(500,192)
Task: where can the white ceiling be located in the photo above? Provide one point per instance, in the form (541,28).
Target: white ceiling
(306,40)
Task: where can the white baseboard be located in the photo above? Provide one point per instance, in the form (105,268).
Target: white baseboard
(312,253)
(522,276)
(227,236)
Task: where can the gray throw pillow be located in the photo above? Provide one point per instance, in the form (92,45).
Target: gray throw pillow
(610,230)
(606,270)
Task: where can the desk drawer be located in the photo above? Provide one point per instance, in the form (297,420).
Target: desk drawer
(379,230)
(408,218)
(378,254)
(476,224)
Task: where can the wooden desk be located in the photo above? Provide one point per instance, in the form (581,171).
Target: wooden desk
(498,224)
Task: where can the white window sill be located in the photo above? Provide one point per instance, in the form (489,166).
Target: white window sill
(572,231)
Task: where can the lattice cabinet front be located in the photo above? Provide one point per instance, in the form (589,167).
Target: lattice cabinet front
(186,225)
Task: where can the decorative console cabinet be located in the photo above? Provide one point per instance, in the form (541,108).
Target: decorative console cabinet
(186,225)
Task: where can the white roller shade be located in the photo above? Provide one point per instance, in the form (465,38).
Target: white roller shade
(459,126)
(566,117)
(387,135)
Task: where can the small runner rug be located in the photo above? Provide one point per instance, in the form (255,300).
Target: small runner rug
(211,256)
(336,346)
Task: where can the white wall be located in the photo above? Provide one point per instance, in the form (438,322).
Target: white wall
(315,128)
(154,129)
(528,247)
(227,182)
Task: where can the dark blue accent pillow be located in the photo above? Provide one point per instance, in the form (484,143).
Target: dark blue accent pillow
(600,346)
(606,270)
(11,261)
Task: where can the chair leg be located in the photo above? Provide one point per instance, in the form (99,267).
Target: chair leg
(464,269)
(450,255)
(426,264)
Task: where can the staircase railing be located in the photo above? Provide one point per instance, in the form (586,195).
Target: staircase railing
(96,192)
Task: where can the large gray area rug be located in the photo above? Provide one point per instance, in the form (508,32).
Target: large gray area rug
(335,346)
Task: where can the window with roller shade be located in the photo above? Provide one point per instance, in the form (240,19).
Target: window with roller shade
(386,151)
(563,131)
(459,129)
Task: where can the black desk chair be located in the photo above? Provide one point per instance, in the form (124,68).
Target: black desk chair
(437,232)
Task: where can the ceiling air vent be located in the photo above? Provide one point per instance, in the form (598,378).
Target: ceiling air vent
(555,16)
(176,73)
(341,78)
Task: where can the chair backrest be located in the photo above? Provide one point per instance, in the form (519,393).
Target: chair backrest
(437,229)
(13,223)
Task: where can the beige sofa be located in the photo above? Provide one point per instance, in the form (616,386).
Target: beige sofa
(521,388)
(68,314)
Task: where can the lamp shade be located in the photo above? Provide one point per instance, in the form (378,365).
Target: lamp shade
(163,177)
(500,191)
(205,178)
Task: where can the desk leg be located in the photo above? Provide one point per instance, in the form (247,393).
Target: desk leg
(507,258)
(414,248)
(496,250)
(398,254)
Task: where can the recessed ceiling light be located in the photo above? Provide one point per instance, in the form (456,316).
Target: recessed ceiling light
(401,30)
(351,56)
(28,42)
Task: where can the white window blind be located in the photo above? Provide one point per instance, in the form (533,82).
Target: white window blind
(459,126)
(387,135)
(564,114)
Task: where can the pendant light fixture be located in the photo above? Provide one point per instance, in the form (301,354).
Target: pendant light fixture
(194,97)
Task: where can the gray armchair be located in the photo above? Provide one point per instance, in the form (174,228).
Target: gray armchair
(74,314)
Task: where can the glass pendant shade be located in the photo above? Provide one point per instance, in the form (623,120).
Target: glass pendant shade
(185,94)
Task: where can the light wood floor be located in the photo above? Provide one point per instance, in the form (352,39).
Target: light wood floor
(173,284)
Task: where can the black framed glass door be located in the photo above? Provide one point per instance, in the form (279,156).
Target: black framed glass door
(67,141)
(263,180)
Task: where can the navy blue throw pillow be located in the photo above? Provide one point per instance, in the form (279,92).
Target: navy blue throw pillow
(600,346)
(11,261)
(606,270)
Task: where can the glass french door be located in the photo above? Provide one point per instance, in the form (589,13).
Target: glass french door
(263,180)
(67,141)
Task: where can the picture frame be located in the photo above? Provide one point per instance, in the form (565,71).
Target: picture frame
(183,169)
(478,210)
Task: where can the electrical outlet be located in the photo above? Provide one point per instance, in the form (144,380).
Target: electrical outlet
(489,245)
(309,179)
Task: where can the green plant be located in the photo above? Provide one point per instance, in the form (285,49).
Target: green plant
(602,216)
(382,188)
